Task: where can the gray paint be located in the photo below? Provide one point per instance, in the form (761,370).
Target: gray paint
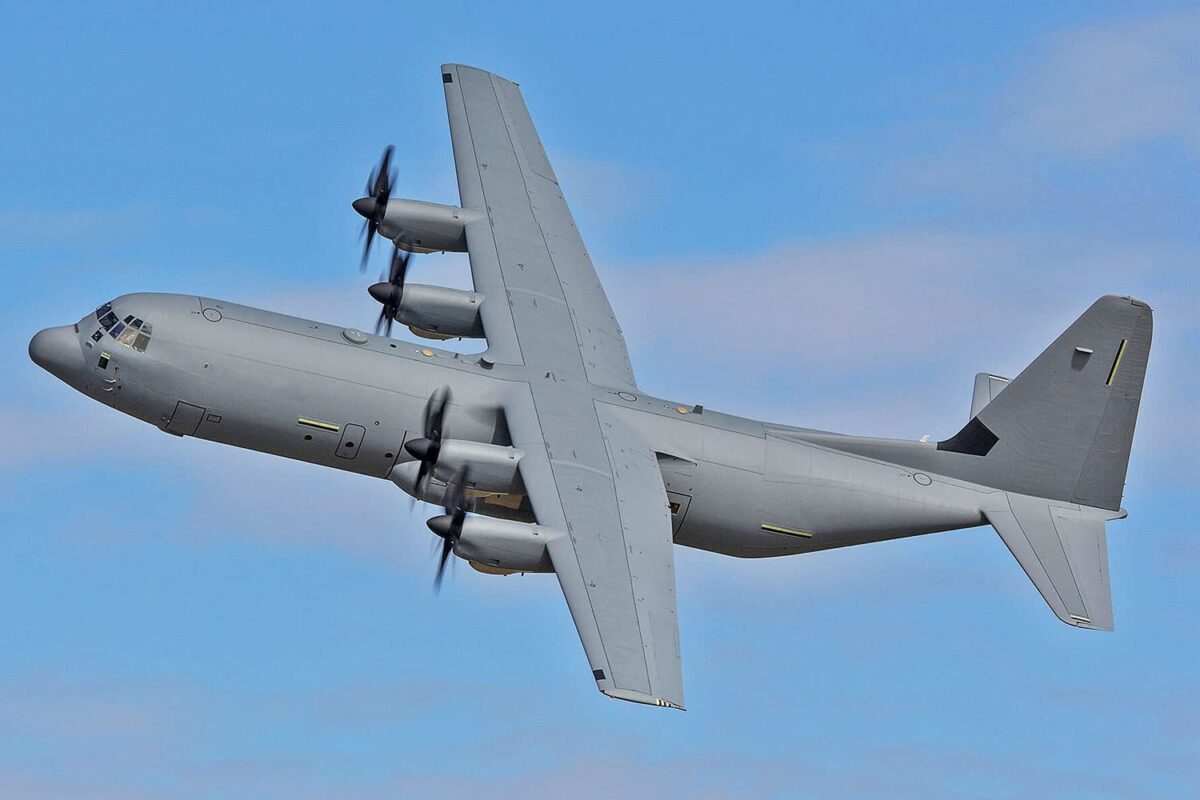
(987,386)
(601,465)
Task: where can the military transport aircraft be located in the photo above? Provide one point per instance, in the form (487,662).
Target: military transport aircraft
(548,457)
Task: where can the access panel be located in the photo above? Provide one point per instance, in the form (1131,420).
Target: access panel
(185,420)
(351,443)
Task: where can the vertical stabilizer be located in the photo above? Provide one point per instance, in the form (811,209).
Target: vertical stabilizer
(1062,429)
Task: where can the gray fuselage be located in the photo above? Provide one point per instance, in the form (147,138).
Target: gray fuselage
(323,394)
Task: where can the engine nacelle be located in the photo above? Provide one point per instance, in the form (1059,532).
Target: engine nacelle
(437,312)
(404,475)
(502,545)
(493,470)
(422,227)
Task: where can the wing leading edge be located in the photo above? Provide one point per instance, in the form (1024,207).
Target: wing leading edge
(592,476)
(544,305)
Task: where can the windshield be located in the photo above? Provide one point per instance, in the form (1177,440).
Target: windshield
(131,331)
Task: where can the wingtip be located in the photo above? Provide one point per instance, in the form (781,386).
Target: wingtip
(1096,622)
(452,68)
(643,698)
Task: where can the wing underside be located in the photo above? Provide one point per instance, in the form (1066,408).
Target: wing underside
(591,477)
(591,480)
(544,304)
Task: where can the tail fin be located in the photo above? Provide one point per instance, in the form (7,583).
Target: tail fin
(1062,429)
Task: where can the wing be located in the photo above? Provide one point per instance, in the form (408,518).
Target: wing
(544,305)
(591,476)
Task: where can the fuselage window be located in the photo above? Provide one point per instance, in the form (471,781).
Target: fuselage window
(129,319)
(115,331)
(98,335)
(107,320)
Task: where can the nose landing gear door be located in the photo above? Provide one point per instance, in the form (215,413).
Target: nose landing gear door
(185,420)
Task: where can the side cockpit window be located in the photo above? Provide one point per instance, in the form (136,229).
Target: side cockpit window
(131,332)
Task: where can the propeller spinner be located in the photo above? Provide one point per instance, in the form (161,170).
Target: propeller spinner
(390,292)
(429,446)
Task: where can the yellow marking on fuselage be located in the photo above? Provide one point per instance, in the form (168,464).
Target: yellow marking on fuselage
(766,526)
(319,425)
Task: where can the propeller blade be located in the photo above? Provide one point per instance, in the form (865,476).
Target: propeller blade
(379,190)
(399,267)
(383,325)
(447,549)
(455,498)
(435,412)
(383,175)
(391,292)
(370,228)
(454,501)
(422,474)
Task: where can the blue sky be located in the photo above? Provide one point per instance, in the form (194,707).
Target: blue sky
(827,217)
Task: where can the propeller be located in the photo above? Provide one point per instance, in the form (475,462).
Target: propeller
(429,446)
(390,292)
(374,205)
(450,525)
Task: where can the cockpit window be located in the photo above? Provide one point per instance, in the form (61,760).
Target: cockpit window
(133,332)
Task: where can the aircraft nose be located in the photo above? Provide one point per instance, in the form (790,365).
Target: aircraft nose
(57,351)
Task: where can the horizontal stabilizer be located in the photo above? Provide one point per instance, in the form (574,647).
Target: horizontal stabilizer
(987,386)
(1064,552)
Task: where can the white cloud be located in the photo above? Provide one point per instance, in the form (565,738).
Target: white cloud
(1118,83)
(604,192)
